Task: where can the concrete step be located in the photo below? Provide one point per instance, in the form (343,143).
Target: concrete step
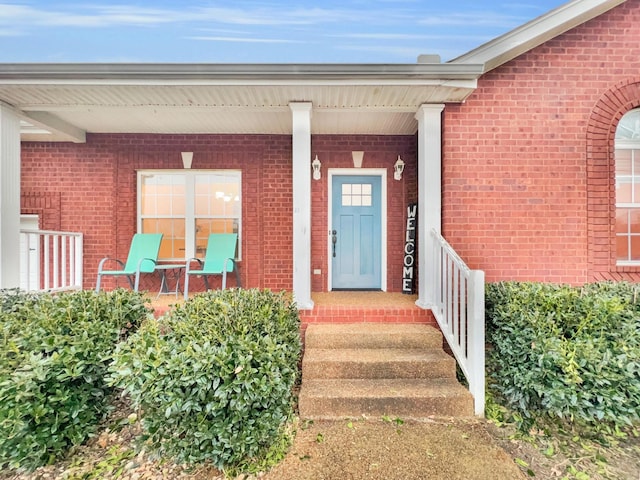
(404,398)
(377,363)
(372,335)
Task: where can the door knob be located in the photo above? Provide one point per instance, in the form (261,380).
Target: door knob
(334,240)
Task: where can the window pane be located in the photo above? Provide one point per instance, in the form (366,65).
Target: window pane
(205,227)
(235,206)
(623,162)
(622,220)
(217,194)
(622,248)
(148,205)
(623,190)
(172,245)
(629,126)
(635,248)
(634,220)
(177,205)
(635,198)
(162,195)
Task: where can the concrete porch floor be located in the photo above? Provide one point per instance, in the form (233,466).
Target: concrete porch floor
(359,298)
(342,307)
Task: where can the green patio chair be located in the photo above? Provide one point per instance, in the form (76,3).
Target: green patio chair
(219,260)
(143,256)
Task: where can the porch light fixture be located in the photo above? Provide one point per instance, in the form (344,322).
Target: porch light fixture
(317,175)
(187,158)
(357,159)
(398,168)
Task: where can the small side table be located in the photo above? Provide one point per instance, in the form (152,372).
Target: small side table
(177,269)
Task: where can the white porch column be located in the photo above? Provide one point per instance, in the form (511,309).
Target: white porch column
(301,116)
(429,196)
(9,198)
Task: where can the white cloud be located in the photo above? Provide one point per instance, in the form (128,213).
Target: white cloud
(241,39)
(471,19)
(407,36)
(125,15)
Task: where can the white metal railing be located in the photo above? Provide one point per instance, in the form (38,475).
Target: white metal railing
(50,261)
(459,310)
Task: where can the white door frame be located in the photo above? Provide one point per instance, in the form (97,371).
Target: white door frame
(382,173)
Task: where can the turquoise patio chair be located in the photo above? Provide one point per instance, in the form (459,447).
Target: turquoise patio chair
(143,256)
(219,260)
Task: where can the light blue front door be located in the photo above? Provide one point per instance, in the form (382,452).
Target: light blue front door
(356,232)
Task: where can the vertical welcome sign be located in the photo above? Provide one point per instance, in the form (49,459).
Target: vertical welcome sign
(408,264)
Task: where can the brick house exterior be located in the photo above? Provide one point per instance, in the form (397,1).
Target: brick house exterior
(528,190)
(527,167)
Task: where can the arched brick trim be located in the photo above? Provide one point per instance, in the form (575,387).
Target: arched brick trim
(601,195)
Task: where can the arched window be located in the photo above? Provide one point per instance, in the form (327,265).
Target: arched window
(627,157)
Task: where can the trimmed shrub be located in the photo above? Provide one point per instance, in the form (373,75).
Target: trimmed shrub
(214,377)
(54,354)
(566,352)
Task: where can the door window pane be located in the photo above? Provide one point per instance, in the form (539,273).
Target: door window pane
(356,195)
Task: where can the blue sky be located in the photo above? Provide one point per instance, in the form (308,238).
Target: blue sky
(267,31)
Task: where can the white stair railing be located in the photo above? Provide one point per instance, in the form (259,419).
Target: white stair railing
(50,261)
(459,310)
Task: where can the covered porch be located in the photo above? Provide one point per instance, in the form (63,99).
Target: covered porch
(264,122)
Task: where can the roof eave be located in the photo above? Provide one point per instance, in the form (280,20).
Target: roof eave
(176,73)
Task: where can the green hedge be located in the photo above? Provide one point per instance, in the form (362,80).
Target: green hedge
(214,377)
(566,352)
(54,354)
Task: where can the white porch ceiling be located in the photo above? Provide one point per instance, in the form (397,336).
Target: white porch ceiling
(64,106)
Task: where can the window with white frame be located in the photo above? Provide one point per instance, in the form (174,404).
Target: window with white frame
(188,205)
(627,159)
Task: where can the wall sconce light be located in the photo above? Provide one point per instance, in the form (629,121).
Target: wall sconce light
(398,168)
(317,175)
(357,159)
(187,158)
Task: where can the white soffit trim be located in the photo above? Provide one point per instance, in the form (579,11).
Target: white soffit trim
(516,42)
(68,100)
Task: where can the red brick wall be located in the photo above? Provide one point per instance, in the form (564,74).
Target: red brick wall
(96,187)
(528,188)
(91,188)
(71,187)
